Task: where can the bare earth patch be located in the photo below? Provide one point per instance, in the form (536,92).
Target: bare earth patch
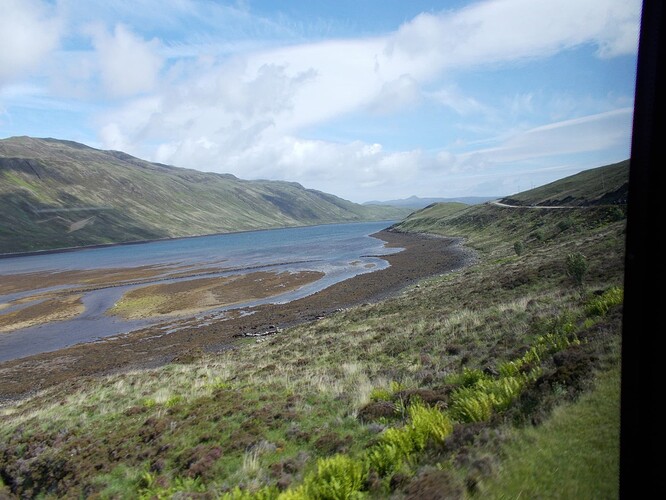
(198,295)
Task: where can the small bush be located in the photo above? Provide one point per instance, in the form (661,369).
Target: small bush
(337,477)
(173,401)
(577,267)
(219,384)
(476,404)
(471,405)
(471,377)
(481,395)
(149,487)
(265,493)
(426,423)
(504,390)
(616,213)
(380,394)
(392,453)
(510,368)
(565,224)
(518,247)
(386,394)
(398,445)
(149,403)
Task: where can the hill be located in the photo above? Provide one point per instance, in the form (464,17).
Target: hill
(416,202)
(56,194)
(585,190)
(607,185)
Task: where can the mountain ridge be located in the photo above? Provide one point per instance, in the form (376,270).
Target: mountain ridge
(58,194)
(603,185)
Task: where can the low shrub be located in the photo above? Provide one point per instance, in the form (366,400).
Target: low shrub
(470,377)
(565,224)
(336,477)
(266,493)
(425,424)
(577,267)
(386,393)
(471,405)
(392,453)
(600,305)
(398,445)
(150,487)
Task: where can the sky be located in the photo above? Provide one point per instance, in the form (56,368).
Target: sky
(364,99)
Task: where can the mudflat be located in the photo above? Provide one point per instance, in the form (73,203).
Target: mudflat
(423,256)
(65,303)
(198,295)
(42,309)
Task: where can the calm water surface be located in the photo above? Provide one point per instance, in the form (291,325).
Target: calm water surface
(340,251)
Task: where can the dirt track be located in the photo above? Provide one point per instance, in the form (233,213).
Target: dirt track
(423,256)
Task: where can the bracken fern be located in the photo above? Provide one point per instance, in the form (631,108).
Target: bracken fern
(336,478)
(599,306)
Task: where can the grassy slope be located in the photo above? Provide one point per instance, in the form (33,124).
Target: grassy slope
(266,415)
(601,185)
(131,199)
(575,453)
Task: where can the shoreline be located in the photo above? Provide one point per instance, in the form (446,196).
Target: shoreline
(423,256)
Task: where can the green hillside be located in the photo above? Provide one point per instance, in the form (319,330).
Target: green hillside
(607,185)
(56,194)
(488,224)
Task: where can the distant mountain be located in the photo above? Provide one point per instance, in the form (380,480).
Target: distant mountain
(607,185)
(415,202)
(56,194)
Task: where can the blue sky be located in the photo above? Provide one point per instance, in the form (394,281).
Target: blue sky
(364,99)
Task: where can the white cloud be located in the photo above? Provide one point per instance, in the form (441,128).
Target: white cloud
(358,169)
(128,64)
(345,77)
(395,95)
(598,132)
(521,104)
(29,31)
(508,30)
(247,112)
(451,97)
(298,86)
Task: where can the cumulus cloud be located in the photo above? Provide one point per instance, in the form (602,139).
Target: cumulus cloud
(129,65)
(302,85)
(29,31)
(353,167)
(358,168)
(506,30)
